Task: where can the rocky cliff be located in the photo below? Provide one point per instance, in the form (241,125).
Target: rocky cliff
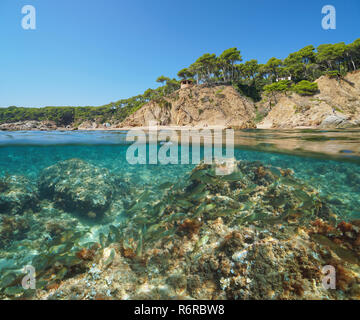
(337,105)
(197,106)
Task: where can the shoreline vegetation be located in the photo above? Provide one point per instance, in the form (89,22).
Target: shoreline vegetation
(262,84)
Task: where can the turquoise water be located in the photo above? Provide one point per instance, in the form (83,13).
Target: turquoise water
(341,179)
(33,236)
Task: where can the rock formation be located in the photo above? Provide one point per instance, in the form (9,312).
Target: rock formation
(197,106)
(337,105)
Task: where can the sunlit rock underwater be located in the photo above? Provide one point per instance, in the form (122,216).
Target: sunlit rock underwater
(17,194)
(76,185)
(95,227)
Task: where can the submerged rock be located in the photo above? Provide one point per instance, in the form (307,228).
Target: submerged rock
(257,233)
(253,192)
(78,186)
(17,194)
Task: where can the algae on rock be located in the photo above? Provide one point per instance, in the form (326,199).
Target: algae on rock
(78,186)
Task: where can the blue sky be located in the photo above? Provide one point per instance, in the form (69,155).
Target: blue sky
(92,52)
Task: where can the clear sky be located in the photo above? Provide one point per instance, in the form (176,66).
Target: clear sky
(92,52)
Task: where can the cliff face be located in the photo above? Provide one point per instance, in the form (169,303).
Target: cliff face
(337,105)
(197,106)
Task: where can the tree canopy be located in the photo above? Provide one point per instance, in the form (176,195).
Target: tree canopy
(249,78)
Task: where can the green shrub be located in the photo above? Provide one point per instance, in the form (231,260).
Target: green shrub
(305,88)
(259,117)
(219,92)
(281,86)
(334,74)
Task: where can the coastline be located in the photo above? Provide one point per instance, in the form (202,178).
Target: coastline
(160,127)
(334,106)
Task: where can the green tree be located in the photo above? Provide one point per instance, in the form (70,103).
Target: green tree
(305,88)
(185,74)
(330,56)
(352,53)
(197,70)
(297,64)
(250,69)
(272,68)
(207,64)
(171,86)
(163,80)
(226,62)
(275,88)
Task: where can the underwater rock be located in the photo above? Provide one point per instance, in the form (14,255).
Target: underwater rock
(252,192)
(12,228)
(80,187)
(17,194)
(257,233)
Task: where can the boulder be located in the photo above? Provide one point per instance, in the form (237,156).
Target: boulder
(335,121)
(80,187)
(17,194)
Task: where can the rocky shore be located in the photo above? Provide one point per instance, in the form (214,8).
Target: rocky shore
(336,105)
(32,125)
